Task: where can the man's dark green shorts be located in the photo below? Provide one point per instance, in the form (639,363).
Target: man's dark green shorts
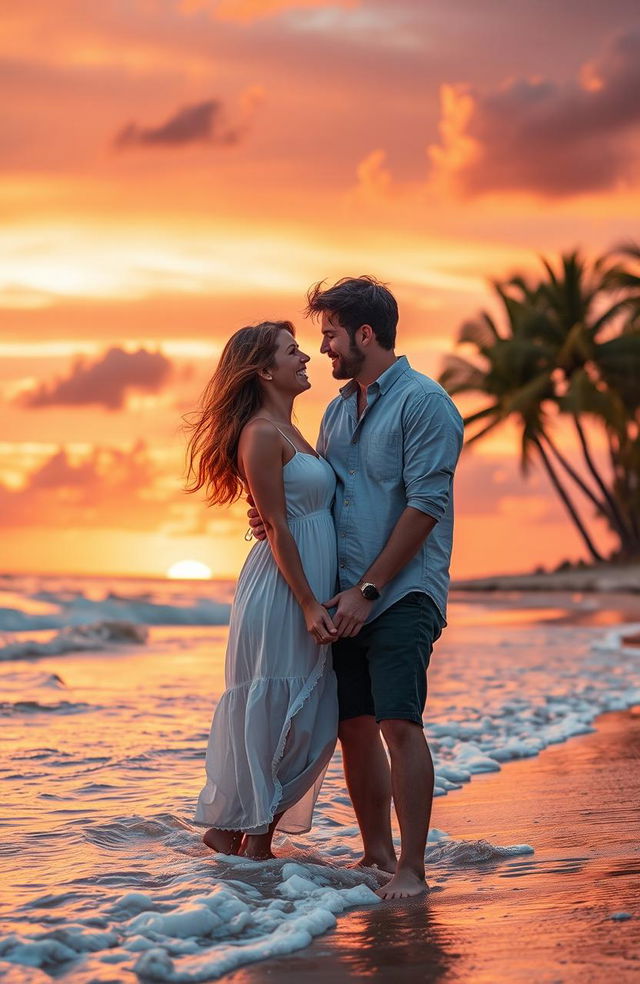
(383,670)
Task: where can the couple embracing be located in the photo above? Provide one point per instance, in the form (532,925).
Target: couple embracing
(343,595)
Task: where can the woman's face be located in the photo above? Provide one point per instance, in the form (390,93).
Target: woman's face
(288,370)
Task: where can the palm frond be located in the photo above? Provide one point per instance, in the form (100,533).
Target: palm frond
(461,376)
(484,431)
(481,414)
(551,272)
(482,332)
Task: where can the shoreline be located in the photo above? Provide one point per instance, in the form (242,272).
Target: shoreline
(547,917)
(604,579)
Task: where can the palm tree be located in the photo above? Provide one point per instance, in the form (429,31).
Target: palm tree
(622,373)
(568,346)
(596,356)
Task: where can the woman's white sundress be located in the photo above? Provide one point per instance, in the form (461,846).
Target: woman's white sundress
(275,727)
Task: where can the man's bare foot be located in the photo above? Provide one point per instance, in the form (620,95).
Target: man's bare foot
(405,884)
(223,841)
(386,865)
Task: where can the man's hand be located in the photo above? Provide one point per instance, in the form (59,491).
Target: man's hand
(255,522)
(352,610)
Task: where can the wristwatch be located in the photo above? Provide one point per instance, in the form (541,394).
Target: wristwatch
(369,591)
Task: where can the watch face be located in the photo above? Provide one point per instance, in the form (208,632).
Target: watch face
(370,592)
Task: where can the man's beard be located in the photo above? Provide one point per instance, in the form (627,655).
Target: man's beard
(348,366)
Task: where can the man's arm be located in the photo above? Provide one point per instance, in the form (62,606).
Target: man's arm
(408,535)
(433,434)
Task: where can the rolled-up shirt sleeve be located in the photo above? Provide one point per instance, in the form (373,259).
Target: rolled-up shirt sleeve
(433,434)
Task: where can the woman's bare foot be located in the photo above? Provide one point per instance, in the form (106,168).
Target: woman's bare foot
(223,841)
(258,847)
(405,884)
(387,865)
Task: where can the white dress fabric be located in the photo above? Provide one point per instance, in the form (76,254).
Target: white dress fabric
(275,727)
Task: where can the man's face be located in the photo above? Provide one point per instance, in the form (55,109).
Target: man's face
(346,357)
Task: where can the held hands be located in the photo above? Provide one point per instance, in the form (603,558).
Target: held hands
(319,623)
(352,611)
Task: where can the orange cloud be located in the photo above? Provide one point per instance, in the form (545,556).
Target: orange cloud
(374,179)
(457,151)
(250,10)
(105,487)
(551,138)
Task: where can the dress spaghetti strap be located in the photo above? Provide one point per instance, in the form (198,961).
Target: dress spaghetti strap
(281,433)
(287,439)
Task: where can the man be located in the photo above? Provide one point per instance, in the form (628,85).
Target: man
(393,437)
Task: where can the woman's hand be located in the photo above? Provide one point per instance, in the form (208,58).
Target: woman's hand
(319,623)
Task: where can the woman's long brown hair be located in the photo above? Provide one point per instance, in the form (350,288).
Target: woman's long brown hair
(230,399)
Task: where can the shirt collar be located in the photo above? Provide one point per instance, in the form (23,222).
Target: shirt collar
(384,381)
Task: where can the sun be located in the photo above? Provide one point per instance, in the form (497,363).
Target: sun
(189,570)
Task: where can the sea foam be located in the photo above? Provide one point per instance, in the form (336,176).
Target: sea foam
(215,914)
(78,638)
(528,720)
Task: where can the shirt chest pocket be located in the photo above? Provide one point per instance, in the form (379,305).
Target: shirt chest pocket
(384,456)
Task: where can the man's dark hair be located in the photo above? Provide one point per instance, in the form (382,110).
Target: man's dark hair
(358,301)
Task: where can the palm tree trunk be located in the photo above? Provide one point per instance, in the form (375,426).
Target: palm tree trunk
(558,486)
(626,538)
(582,485)
(622,478)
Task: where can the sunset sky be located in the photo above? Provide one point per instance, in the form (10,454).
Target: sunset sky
(175,169)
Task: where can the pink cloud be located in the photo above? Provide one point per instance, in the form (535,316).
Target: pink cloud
(551,138)
(105,382)
(202,122)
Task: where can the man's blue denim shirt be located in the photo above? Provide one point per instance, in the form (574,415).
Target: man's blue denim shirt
(401,452)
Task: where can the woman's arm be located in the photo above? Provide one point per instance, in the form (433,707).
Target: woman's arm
(260,461)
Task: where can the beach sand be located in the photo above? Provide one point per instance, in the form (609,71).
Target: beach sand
(547,917)
(592,578)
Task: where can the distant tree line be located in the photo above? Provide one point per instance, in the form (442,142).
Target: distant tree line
(567,345)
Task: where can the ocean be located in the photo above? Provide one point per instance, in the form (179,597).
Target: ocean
(107,687)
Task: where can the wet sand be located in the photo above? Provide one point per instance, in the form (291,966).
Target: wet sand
(545,918)
(601,578)
(571,607)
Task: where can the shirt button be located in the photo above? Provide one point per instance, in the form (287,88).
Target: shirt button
(342,565)
(343,534)
(352,473)
(346,502)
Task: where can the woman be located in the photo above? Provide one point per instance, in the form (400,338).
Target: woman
(275,727)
